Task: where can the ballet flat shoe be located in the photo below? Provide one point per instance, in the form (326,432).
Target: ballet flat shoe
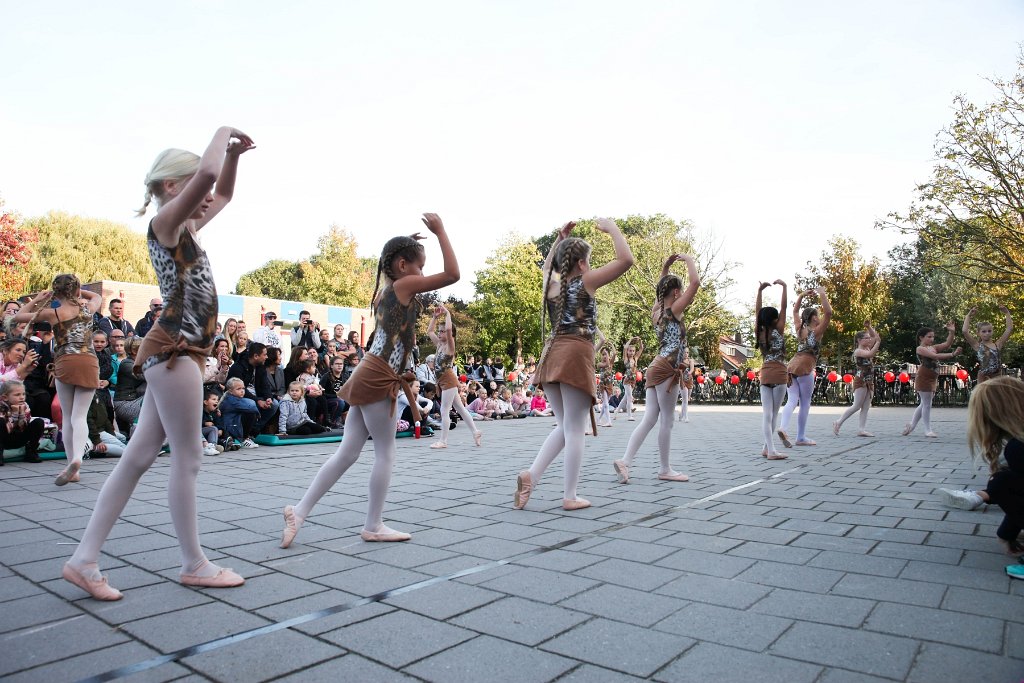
(100,590)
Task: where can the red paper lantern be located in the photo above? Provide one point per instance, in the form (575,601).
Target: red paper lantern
(639,376)
(618,376)
(750,375)
(904,378)
(962,375)
(832,376)
(719,379)
(735,379)
(700,379)
(513,376)
(848,378)
(889,377)
(463,378)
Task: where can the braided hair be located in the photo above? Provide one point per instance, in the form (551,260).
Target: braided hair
(567,254)
(806,315)
(665,285)
(405,247)
(767,317)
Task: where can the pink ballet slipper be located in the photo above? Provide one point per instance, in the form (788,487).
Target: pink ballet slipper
(224,578)
(100,590)
(385,535)
(621,469)
(524,485)
(575,504)
(291,526)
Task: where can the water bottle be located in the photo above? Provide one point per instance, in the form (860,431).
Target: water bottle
(417,431)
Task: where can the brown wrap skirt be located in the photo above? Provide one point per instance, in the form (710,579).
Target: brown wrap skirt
(448,380)
(802,364)
(926,379)
(78,369)
(374,380)
(662,370)
(568,359)
(859,383)
(159,343)
(774,373)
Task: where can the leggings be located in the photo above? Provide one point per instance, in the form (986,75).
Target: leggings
(924,410)
(75,403)
(450,398)
(572,409)
(626,404)
(771,402)
(861,402)
(800,391)
(172,412)
(376,420)
(684,395)
(605,417)
(661,408)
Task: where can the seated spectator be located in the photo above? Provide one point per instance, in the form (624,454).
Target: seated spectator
(228,333)
(351,346)
(429,392)
(296,364)
(249,368)
(520,403)
(331,383)
(350,366)
(275,373)
(115,320)
(483,406)
(316,402)
(339,334)
(17,426)
(616,397)
(307,332)
(241,344)
(539,405)
(16,360)
(267,333)
(106,442)
(218,363)
(426,372)
(129,390)
(117,354)
(403,410)
(213,425)
(40,391)
(293,418)
(156,306)
(504,403)
(234,407)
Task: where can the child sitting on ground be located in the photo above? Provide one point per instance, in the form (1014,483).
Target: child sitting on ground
(995,425)
(17,426)
(316,402)
(233,405)
(293,418)
(106,442)
(539,405)
(214,441)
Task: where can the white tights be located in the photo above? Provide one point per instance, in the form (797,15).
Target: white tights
(661,408)
(684,396)
(376,420)
(771,402)
(572,409)
(172,412)
(800,391)
(861,402)
(605,417)
(74,405)
(626,404)
(924,410)
(449,398)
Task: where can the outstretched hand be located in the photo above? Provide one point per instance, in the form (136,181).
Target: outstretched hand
(606,225)
(950,327)
(433,223)
(780,283)
(566,229)
(764,286)
(239,143)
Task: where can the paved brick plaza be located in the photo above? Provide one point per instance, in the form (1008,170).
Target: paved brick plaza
(836,565)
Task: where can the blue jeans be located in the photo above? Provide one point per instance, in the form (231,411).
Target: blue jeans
(232,410)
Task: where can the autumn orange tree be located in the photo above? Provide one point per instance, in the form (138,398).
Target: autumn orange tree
(16,242)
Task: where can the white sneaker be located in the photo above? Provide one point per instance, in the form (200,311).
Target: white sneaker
(249,443)
(210,449)
(965,500)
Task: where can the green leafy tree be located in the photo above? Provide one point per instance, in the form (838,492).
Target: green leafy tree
(91,248)
(857,289)
(508,300)
(625,305)
(334,275)
(969,217)
(16,242)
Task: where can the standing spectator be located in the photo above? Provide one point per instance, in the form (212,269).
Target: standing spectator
(115,320)
(249,368)
(267,334)
(230,327)
(307,332)
(156,306)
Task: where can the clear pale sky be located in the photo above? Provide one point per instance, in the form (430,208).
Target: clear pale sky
(772,124)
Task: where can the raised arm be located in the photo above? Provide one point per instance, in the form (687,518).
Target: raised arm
(1009,327)
(623,261)
(966,329)
(668,263)
(432,327)
(225,188)
(562,233)
(950,329)
(826,312)
(449,338)
(411,285)
(94,300)
(32,309)
(934,353)
(796,311)
(686,298)
(187,199)
(781,325)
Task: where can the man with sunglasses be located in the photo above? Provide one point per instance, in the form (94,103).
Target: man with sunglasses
(142,328)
